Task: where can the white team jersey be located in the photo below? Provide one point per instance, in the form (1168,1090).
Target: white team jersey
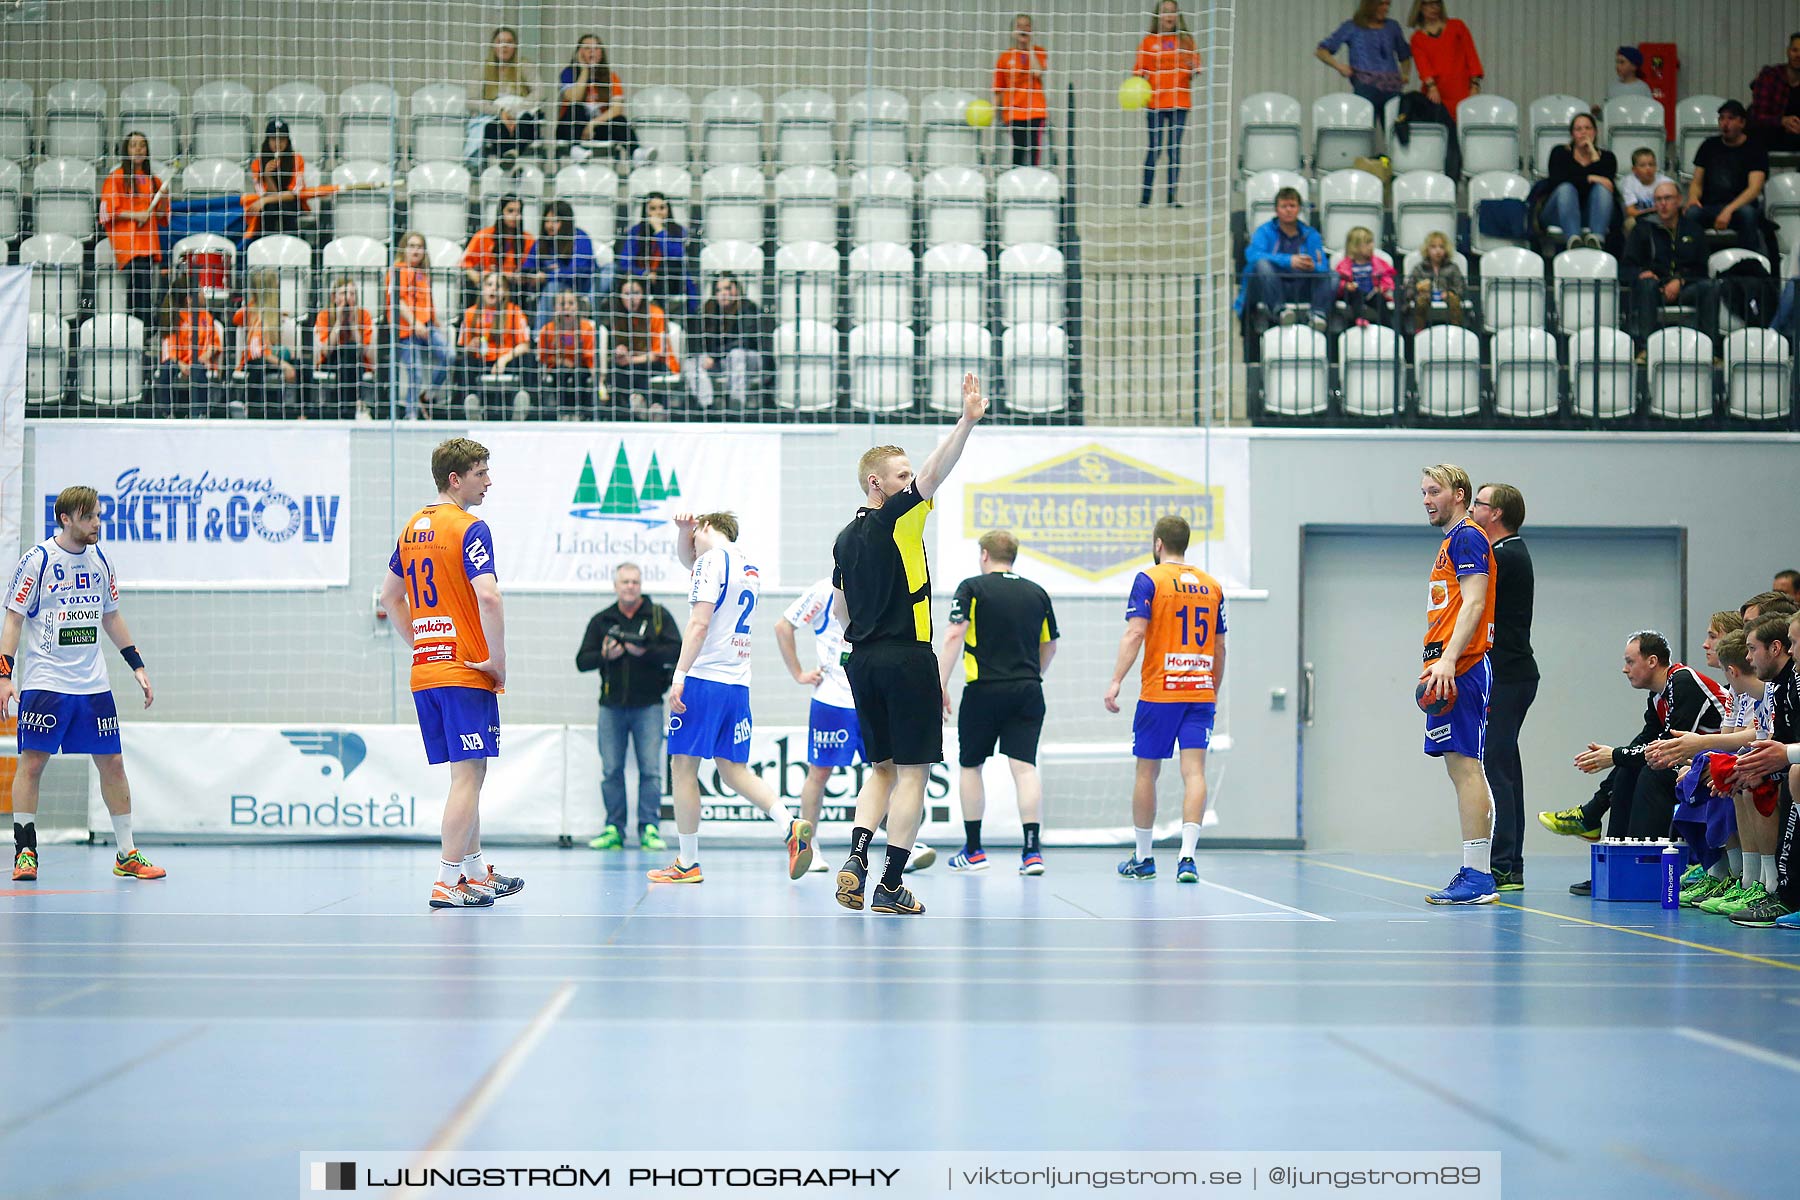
(816,610)
(729,581)
(1744,710)
(1765,713)
(62,597)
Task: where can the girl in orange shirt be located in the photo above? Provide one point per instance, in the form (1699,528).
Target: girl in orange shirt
(418,335)
(565,359)
(192,347)
(277,169)
(1019,93)
(639,351)
(134,207)
(500,247)
(1168,60)
(496,347)
(344,346)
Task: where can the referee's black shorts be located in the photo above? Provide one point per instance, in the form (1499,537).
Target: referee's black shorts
(1010,714)
(898,702)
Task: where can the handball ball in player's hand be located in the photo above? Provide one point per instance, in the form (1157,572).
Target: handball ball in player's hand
(979,114)
(1134,93)
(1433,708)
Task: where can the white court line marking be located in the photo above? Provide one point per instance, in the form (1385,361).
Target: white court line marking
(1744,1049)
(487,1089)
(56,1001)
(491,917)
(1253,897)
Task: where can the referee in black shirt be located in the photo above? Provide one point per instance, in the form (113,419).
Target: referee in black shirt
(1499,509)
(1004,629)
(879,570)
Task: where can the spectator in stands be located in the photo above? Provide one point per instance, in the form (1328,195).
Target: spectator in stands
(1775,101)
(1787,313)
(193,347)
(514,133)
(1435,279)
(267,354)
(134,208)
(1729,173)
(1628,66)
(561,260)
(496,349)
(418,335)
(1665,263)
(731,342)
(656,253)
(1285,264)
(1379,60)
(592,107)
(1580,204)
(565,361)
(505,73)
(277,168)
(1444,51)
(1019,93)
(1637,191)
(640,351)
(1168,61)
(343,350)
(1787,582)
(500,247)
(1365,281)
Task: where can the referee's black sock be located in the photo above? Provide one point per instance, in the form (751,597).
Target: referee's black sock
(1031,837)
(859,845)
(24,836)
(972,836)
(896,866)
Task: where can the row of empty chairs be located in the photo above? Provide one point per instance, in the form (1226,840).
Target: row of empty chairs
(1603,377)
(224,119)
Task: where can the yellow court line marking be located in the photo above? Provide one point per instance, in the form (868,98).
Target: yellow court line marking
(1657,937)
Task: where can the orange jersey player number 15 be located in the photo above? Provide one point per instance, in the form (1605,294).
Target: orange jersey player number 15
(1186,610)
(441,553)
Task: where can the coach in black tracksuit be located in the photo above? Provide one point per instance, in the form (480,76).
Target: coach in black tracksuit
(1499,509)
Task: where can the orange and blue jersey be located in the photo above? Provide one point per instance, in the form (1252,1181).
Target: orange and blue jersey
(1465,552)
(441,553)
(1186,610)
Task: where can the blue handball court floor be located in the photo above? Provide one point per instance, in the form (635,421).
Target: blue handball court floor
(190,1037)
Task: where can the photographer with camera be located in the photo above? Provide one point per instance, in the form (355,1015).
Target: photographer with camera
(634,645)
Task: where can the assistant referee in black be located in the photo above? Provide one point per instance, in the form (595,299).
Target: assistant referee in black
(879,570)
(1003,627)
(1499,509)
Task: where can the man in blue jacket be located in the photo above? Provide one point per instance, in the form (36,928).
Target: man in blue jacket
(1286,264)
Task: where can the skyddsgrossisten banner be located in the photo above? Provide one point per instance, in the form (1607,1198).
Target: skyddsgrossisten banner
(568,504)
(223,505)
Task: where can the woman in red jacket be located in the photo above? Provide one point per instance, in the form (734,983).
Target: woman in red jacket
(1444,51)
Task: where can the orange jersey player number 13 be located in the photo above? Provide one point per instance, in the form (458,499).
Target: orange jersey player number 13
(1186,610)
(1465,552)
(441,553)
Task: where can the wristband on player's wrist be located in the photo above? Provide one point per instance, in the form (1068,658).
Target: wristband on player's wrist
(132,658)
(9,663)
(1793,753)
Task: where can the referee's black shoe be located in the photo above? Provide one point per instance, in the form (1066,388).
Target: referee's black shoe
(853,877)
(1584,887)
(898,901)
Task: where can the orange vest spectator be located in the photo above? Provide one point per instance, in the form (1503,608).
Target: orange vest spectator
(642,332)
(364,330)
(413,285)
(256,344)
(562,348)
(196,338)
(122,193)
(483,254)
(1021,93)
(492,332)
(1168,61)
(264,178)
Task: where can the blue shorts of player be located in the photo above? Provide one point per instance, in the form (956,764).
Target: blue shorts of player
(716,723)
(1463,730)
(1159,724)
(54,721)
(458,723)
(834,737)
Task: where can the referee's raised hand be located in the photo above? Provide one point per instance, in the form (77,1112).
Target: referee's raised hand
(975,403)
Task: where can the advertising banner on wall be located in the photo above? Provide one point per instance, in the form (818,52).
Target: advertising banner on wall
(311,781)
(570,503)
(1083,506)
(215,506)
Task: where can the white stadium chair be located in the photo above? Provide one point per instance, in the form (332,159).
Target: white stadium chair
(1294,371)
(63,194)
(672,182)
(110,360)
(46,359)
(1547,127)
(1424,203)
(18,114)
(56,275)
(805,128)
(956,284)
(1587,290)
(949,140)
(742,259)
(955,207)
(1525,374)
(1371,368)
(1031,285)
(881,284)
(437,200)
(1512,288)
(1633,123)
(953,350)
(732,200)
(1489,129)
(1758,370)
(881,367)
(1035,359)
(806,277)
(526,181)
(1269,133)
(1679,369)
(663,117)
(75,120)
(1602,374)
(302,105)
(1447,364)
(292,260)
(1781,197)
(109,294)
(362,214)
(1343,131)
(1426,148)
(11,185)
(1349,198)
(223,113)
(368,122)
(152,107)
(1696,119)
(214,178)
(805,366)
(806,206)
(731,127)
(593,193)
(439,122)
(1494,185)
(1259,196)
(1028,199)
(881,206)
(877,120)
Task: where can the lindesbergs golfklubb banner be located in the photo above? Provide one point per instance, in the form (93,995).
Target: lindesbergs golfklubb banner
(568,504)
(215,506)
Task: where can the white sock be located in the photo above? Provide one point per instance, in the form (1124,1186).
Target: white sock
(475,867)
(1771,873)
(25,819)
(1735,859)
(778,813)
(1144,838)
(1475,855)
(1190,833)
(122,832)
(1750,868)
(1719,870)
(449,872)
(689,854)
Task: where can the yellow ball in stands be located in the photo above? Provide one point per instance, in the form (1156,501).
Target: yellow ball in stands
(979,114)
(1134,93)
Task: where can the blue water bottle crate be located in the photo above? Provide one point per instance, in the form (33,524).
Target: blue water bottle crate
(1629,868)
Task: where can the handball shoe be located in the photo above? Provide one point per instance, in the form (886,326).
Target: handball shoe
(609,839)
(922,856)
(652,840)
(1468,886)
(675,872)
(1031,863)
(461,894)
(1138,868)
(24,866)
(136,866)
(1186,871)
(1569,823)
(502,885)
(852,878)
(799,847)
(897,900)
(968,860)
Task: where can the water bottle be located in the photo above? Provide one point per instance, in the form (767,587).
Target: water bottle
(1672,859)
